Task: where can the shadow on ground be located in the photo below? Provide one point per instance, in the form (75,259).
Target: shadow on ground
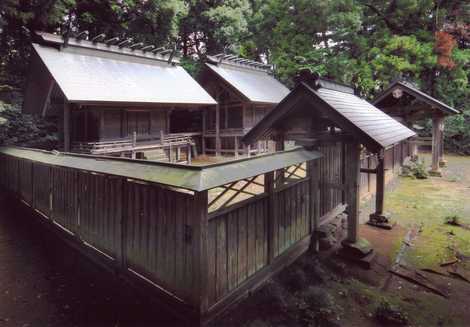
(44,283)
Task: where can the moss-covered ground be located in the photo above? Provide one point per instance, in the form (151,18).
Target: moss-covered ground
(325,291)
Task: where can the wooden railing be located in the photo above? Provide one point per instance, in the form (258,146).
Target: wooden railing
(132,145)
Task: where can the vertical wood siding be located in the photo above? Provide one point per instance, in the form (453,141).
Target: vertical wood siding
(331,176)
(95,207)
(238,247)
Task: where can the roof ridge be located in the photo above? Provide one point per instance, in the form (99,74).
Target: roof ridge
(109,46)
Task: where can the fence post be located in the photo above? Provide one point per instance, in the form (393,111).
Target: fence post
(121,253)
(269,189)
(199,229)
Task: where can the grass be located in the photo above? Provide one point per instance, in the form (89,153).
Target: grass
(426,203)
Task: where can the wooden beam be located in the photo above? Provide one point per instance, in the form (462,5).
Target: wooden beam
(66,126)
(48,98)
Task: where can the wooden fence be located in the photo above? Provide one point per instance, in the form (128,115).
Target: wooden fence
(139,227)
(169,239)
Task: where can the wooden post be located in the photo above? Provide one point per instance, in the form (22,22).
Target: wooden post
(203,140)
(313,171)
(178,153)
(258,145)
(279,146)
(189,154)
(162,136)
(442,161)
(199,235)
(217,126)
(236,146)
(134,143)
(353,175)
(269,189)
(66,127)
(380,185)
(437,129)
(248,150)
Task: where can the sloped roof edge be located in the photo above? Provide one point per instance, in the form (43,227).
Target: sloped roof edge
(414,91)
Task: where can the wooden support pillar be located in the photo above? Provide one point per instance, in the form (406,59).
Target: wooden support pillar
(189,154)
(380,186)
(269,189)
(236,146)
(279,144)
(178,153)
(134,143)
(437,139)
(217,127)
(203,139)
(197,236)
(442,161)
(353,175)
(67,127)
(413,148)
(313,171)
(379,218)
(248,150)
(162,137)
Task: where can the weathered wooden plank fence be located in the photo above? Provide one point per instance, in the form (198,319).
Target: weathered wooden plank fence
(167,238)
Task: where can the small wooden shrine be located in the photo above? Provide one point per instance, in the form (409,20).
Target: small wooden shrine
(321,113)
(245,91)
(113,97)
(406,103)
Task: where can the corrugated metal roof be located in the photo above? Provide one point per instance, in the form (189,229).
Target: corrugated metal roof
(255,85)
(195,178)
(415,92)
(87,76)
(369,124)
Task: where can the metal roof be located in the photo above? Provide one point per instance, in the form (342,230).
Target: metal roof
(415,92)
(190,177)
(254,84)
(90,76)
(371,126)
(58,41)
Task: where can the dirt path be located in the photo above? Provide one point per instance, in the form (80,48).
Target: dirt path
(43,284)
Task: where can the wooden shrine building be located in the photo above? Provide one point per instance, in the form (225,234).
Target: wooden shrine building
(406,103)
(329,117)
(245,91)
(116,98)
(201,237)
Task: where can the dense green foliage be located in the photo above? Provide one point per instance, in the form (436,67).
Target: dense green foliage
(366,43)
(25,130)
